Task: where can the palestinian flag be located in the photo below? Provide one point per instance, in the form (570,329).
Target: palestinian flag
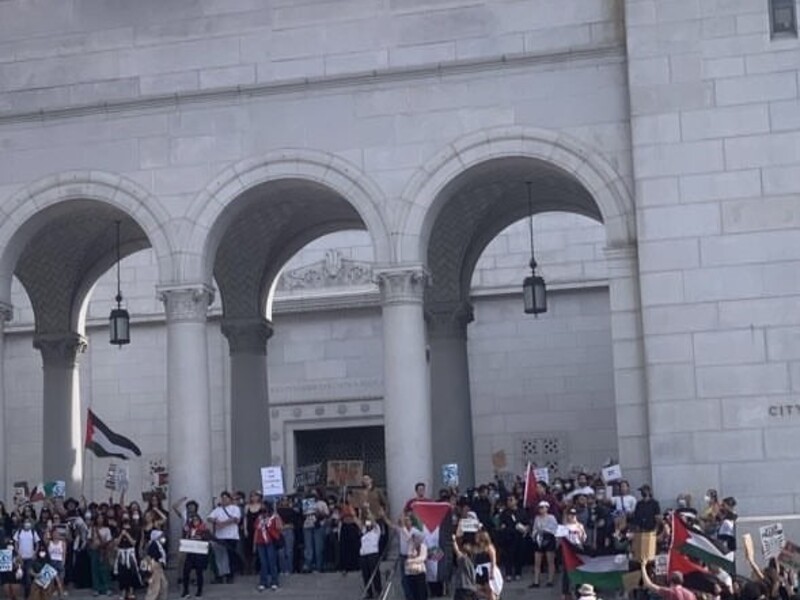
(51,489)
(699,546)
(106,443)
(603,572)
(433,518)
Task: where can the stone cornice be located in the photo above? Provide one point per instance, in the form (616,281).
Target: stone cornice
(377,76)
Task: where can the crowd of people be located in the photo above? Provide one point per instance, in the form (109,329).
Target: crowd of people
(492,533)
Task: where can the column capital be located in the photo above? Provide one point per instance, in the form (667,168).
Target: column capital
(247,335)
(402,284)
(449,319)
(186,303)
(60,349)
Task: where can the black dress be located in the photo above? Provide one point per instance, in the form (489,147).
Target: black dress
(127,566)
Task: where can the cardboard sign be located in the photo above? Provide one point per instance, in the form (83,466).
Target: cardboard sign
(772,540)
(499,461)
(450,475)
(643,547)
(611,473)
(6,561)
(309,506)
(20,493)
(272,481)
(790,556)
(193,547)
(307,476)
(542,474)
(662,564)
(345,473)
(470,525)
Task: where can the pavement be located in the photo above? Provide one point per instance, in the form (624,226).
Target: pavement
(318,586)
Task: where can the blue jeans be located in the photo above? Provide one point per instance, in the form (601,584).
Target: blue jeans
(314,548)
(268,563)
(286,554)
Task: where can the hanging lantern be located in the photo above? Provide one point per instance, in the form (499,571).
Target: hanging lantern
(119,322)
(534,289)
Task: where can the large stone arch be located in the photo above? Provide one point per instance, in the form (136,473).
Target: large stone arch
(206,213)
(423,197)
(28,208)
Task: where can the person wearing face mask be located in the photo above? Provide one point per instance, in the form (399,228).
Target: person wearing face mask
(57,551)
(157,561)
(42,588)
(126,567)
(26,541)
(647,514)
(10,580)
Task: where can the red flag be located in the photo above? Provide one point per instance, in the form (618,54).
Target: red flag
(530,497)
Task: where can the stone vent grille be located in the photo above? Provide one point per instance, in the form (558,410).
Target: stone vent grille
(544,451)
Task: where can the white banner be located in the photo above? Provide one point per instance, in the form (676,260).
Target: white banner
(193,547)
(272,481)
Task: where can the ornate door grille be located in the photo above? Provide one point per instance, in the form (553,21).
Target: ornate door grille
(544,451)
(347,443)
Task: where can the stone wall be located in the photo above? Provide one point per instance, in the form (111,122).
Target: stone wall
(716,135)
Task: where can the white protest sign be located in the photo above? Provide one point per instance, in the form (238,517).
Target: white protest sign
(772,540)
(272,481)
(612,473)
(562,531)
(193,547)
(542,474)
(470,525)
(6,561)
(662,564)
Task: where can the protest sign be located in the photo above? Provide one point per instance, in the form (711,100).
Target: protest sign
(6,561)
(307,476)
(20,493)
(562,531)
(749,549)
(643,546)
(193,547)
(772,540)
(499,461)
(612,473)
(110,482)
(450,475)
(46,576)
(309,506)
(542,474)
(345,473)
(790,556)
(662,564)
(272,481)
(469,525)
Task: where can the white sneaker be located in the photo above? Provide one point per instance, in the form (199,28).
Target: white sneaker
(261,588)
(274,587)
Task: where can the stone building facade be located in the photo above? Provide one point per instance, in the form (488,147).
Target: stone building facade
(228,135)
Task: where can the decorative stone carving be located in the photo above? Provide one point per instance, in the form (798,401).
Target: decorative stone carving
(449,320)
(319,411)
(327,390)
(60,350)
(333,271)
(365,408)
(342,409)
(403,285)
(247,336)
(186,303)
(297,412)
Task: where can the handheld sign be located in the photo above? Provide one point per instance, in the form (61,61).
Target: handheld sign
(193,547)
(772,540)
(6,561)
(542,474)
(272,481)
(450,475)
(46,576)
(612,473)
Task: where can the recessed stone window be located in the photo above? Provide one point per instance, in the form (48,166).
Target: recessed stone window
(783,18)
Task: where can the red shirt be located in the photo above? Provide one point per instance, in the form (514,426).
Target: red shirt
(267,530)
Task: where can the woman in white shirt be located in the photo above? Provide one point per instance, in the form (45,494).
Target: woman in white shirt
(544,543)
(576,534)
(415,566)
(369,553)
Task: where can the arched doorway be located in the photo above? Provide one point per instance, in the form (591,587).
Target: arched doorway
(59,239)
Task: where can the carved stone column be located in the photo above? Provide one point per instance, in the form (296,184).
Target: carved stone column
(188,402)
(451,407)
(407,409)
(6,313)
(250,435)
(63,447)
